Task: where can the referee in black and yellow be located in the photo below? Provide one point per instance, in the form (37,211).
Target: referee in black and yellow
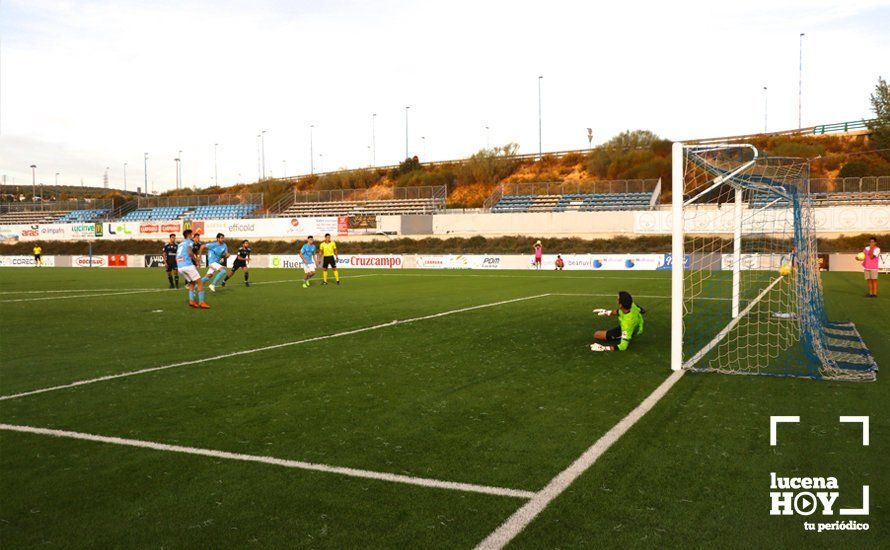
(329,258)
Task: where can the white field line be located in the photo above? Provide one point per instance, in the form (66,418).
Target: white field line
(137,291)
(520,519)
(461,273)
(615,295)
(298,464)
(68,297)
(267,348)
(72,290)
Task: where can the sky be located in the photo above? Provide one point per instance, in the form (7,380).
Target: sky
(90,84)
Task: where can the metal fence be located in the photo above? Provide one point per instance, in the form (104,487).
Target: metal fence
(579,187)
(56,206)
(199,200)
(875,184)
(372,194)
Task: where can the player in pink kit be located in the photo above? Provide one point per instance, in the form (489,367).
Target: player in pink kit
(539,254)
(871,263)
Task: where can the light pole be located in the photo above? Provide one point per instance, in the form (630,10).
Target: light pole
(259,168)
(33,182)
(406,130)
(487,140)
(370,158)
(215,165)
(311,151)
(800,82)
(145,171)
(423,146)
(263,147)
(176,160)
(179,168)
(57,179)
(373,140)
(125,176)
(765,109)
(540,148)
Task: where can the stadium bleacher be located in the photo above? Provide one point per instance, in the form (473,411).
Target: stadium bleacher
(31,216)
(367,207)
(82,216)
(828,198)
(580,202)
(157,213)
(223,211)
(207,212)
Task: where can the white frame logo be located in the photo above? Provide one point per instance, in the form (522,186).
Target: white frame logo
(805,496)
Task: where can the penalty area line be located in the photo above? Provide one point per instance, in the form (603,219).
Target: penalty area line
(271,347)
(522,517)
(122,292)
(297,464)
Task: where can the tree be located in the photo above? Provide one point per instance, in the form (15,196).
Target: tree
(880,126)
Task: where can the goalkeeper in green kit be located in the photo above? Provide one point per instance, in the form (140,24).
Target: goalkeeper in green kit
(630,324)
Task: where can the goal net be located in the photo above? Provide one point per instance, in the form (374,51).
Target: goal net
(747,297)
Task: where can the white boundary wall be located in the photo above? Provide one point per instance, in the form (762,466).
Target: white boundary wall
(829,220)
(485,262)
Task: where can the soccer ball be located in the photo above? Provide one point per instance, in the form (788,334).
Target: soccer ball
(861,256)
(785,270)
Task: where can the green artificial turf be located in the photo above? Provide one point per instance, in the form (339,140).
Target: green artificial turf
(507,396)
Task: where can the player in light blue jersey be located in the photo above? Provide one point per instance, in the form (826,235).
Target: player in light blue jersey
(186,263)
(307,254)
(217,252)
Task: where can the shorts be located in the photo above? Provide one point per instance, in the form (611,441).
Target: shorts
(613,334)
(171,264)
(239,263)
(189,273)
(871,274)
(309,268)
(36,257)
(329,261)
(213,268)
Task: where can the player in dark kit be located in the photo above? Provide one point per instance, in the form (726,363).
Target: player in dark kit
(242,259)
(170,261)
(197,247)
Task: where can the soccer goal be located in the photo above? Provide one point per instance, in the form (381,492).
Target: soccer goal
(746,288)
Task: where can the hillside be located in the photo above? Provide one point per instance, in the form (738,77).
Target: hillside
(630,155)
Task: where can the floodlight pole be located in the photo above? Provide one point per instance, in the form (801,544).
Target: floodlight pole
(311,151)
(215,165)
(145,172)
(33,182)
(800,83)
(765,104)
(540,148)
(406,130)
(373,139)
(677,256)
(259,168)
(263,147)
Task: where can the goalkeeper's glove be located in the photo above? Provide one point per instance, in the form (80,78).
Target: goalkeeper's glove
(603,312)
(596,346)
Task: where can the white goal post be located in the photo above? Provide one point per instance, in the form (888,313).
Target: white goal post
(746,292)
